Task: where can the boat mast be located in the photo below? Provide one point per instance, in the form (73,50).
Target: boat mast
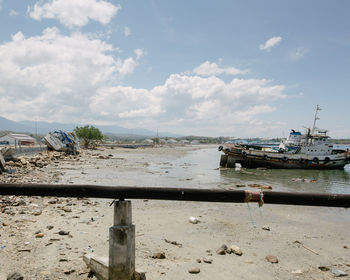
(315,119)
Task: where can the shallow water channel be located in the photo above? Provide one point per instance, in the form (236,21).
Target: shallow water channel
(199,169)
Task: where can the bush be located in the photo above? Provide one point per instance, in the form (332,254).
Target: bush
(89,135)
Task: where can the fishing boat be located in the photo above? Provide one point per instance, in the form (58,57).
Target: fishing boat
(311,150)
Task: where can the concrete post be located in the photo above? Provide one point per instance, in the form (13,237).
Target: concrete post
(122,243)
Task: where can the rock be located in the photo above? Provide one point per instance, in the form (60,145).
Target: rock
(236,250)
(271,259)
(205,260)
(49,227)
(5,224)
(260,186)
(222,250)
(194,270)
(198,260)
(323,268)
(69,271)
(297,272)
(159,255)
(15,276)
(37,213)
(21,202)
(193,220)
(39,235)
(140,275)
(39,164)
(266,228)
(63,232)
(338,273)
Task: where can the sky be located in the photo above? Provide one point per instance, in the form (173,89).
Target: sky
(210,68)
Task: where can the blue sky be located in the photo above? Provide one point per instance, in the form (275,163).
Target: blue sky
(243,69)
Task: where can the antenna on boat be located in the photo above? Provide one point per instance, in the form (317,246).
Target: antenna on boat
(315,119)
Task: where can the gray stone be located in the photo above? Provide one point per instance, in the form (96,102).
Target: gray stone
(222,250)
(194,270)
(205,260)
(159,255)
(338,273)
(323,268)
(15,276)
(271,259)
(236,250)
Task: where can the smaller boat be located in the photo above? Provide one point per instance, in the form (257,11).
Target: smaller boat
(312,150)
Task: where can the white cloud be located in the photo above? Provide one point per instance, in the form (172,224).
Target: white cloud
(77,79)
(53,76)
(126,66)
(270,43)
(139,53)
(13,13)
(191,105)
(75,13)
(298,53)
(127,31)
(212,69)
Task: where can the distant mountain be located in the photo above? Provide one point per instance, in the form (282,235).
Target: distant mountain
(6,124)
(45,127)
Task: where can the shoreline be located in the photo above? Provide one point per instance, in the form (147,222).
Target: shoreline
(324,230)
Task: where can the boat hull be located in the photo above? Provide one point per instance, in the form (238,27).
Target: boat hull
(256,159)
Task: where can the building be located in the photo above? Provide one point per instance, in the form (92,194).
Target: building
(17,139)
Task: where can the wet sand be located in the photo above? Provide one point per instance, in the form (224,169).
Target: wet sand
(323,231)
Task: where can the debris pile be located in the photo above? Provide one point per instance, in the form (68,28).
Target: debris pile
(62,141)
(31,168)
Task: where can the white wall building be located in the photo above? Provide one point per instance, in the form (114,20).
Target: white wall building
(17,139)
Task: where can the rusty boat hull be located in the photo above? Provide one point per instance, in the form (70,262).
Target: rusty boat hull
(251,158)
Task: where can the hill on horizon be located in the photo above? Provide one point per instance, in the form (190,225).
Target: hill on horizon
(45,127)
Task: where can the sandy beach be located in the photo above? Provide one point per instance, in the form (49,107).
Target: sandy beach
(31,245)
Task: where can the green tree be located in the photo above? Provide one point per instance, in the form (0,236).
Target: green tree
(89,135)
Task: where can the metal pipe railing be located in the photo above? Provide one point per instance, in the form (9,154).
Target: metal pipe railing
(182,194)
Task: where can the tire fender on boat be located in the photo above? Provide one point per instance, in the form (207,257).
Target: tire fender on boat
(264,157)
(315,160)
(284,159)
(244,154)
(220,148)
(326,160)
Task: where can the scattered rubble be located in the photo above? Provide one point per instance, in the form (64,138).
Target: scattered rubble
(271,259)
(159,255)
(222,250)
(260,186)
(236,250)
(15,276)
(173,243)
(193,220)
(206,260)
(338,273)
(194,270)
(303,180)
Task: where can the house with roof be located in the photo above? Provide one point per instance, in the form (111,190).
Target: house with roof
(17,139)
